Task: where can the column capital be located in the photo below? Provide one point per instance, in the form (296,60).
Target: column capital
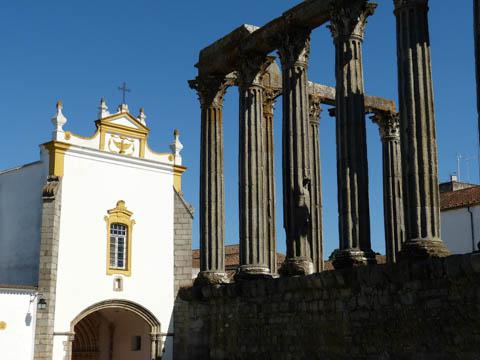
(269,96)
(252,68)
(211,89)
(388,123)
(349,20)
(400,4)
(315,105)
(295,47)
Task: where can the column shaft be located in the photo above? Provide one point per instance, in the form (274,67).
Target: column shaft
(348,26)
(419,147)
(211,90)
(295,149)
(392,183)
(316,228)
(269,150)
(254,249)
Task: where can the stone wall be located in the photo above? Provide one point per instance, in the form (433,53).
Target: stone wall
(422,310)
(183,220)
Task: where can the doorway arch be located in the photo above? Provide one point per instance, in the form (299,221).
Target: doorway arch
(87,341)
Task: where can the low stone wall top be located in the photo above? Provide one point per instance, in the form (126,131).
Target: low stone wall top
(418,310)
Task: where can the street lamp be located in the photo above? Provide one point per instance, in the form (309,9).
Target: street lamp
(42,304)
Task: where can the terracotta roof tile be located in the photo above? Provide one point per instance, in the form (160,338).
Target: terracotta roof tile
(460,198)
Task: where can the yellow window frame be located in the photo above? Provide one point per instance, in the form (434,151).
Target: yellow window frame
(120,215)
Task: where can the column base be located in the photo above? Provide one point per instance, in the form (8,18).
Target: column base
(211,278)
(296,266)
(420,249)
(348,258)
(252,272)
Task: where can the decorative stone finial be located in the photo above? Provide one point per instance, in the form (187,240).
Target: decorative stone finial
(122,108)
(176,147)
(58,121)
(103,109)
(141,116)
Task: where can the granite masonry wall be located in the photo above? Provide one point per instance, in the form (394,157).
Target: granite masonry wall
(422,310)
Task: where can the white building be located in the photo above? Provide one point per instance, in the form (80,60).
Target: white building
(94,241)
(460,216)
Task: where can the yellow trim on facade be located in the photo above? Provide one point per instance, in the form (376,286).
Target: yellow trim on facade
(169,154)
(120,215)
(69,135)
(178,171)
(56,159)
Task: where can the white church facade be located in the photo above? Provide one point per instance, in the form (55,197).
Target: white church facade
(94,244)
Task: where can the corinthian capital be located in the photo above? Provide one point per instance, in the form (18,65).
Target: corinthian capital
(388,123)
(252,69)
(269,96)
(347,20)
(315,103)
(211,89)
(295,47)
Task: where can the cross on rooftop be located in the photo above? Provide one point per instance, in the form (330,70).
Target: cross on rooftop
(124,90)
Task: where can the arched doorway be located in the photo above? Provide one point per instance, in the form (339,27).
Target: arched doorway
(116,330)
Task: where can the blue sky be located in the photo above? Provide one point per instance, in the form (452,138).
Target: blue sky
(79,51)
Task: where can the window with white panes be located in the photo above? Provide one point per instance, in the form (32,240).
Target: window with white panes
(118,246)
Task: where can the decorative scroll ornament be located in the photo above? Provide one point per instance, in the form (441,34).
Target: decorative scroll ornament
(389,125)
(295,47)
(49,190)
(315,107)
(211,89)
(121,145)
(350,20)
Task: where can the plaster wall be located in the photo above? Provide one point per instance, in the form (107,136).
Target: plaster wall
(93,182)
(457,229)
(20,221)
(18,313)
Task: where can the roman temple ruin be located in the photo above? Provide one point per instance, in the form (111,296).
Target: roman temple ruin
(411,199)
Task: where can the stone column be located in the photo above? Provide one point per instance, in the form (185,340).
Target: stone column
(294,53)
(417,131)
(348,22)
(316,228)
(389,126)
(269,96)
(252,178)
(211,90)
